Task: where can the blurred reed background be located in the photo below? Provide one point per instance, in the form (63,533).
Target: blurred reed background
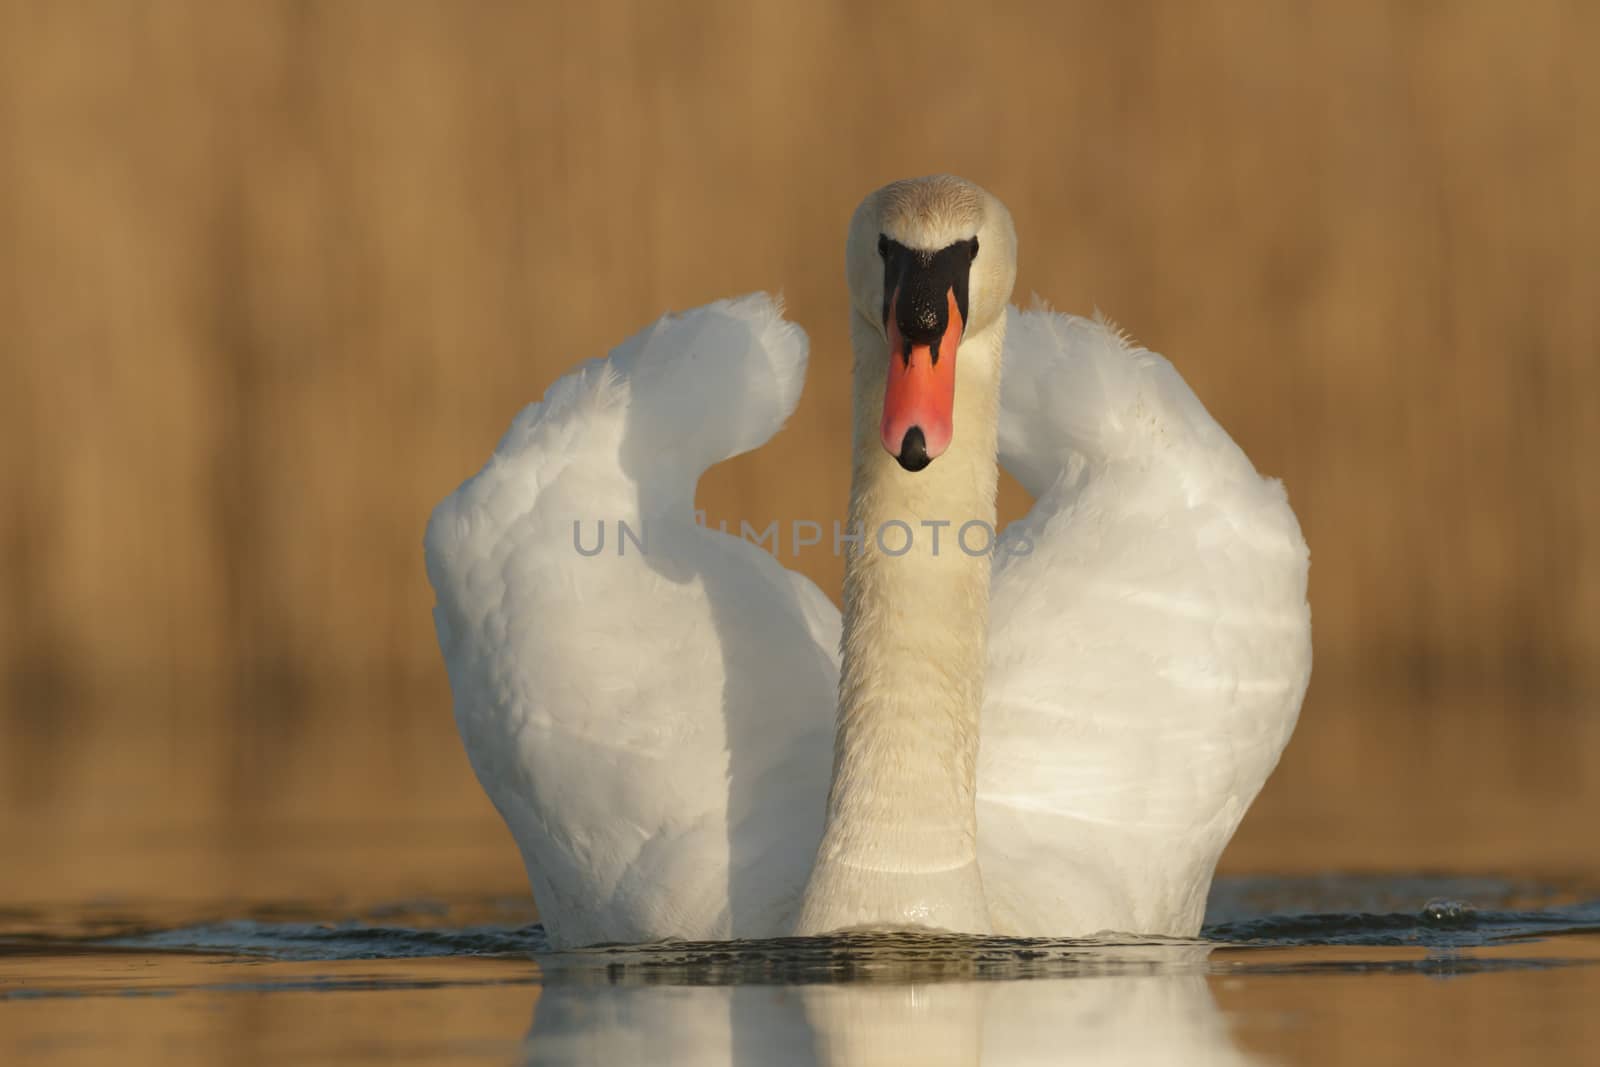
(275,276)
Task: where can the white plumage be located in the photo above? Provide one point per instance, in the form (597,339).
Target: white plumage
(656,724)
(1148,659)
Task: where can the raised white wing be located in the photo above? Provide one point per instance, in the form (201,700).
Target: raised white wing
(654,720)
(1147,658)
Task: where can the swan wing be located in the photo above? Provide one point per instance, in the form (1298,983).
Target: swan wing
(1150,639)
(648,703)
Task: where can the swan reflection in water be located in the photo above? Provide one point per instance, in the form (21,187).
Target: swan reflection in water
(1142,1005)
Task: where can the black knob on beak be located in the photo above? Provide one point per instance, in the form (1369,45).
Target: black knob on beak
(918,286)
(921,312)
(914,450)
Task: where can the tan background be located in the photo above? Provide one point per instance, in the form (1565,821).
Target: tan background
(274,277)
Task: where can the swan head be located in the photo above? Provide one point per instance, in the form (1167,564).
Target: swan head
(930,262)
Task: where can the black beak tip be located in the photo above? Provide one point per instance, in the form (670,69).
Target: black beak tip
(914,450)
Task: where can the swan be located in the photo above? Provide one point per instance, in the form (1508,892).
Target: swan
(1050,732)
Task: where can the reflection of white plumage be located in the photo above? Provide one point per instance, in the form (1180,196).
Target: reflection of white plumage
(1119,1010)
(657,726)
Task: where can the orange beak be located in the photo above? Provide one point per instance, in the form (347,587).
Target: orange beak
(919,402)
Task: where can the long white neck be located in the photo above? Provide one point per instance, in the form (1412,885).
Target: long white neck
(900,844)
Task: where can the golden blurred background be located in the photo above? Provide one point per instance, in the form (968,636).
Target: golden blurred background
(274,277)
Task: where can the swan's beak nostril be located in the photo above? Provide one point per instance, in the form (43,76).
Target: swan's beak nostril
(913,454)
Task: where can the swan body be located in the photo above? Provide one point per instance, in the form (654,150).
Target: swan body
(687,740)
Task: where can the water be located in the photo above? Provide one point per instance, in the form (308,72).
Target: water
(1316,970)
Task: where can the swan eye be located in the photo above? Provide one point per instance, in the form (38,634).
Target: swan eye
(883,245)
(974,249)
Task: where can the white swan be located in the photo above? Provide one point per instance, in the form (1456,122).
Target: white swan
(656,721)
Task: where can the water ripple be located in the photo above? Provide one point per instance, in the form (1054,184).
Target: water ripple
(1437,914)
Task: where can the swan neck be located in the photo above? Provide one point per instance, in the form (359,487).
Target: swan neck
(902,803)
